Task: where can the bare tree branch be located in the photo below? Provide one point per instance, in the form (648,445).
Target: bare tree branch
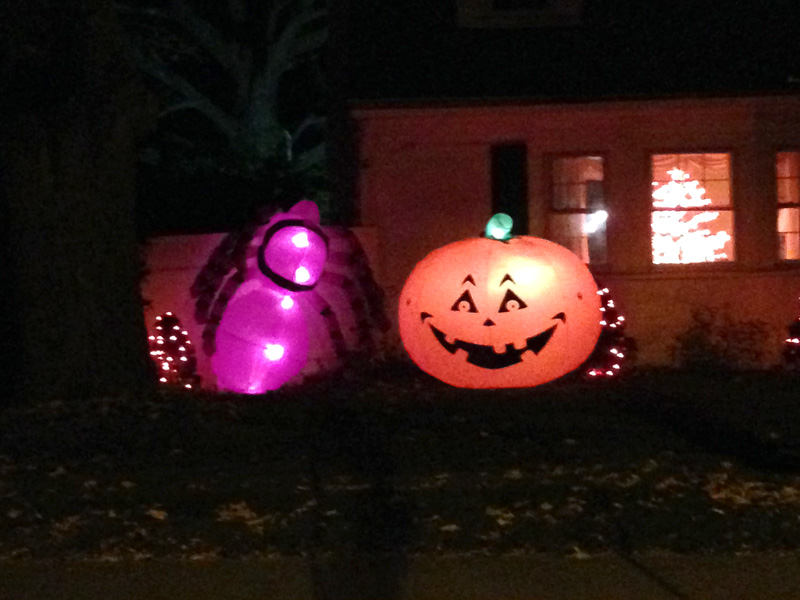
(308,122)
(178,36)
(178,106)
(233,58)
(225,53)
(243,81)
(190,95)
(281,58)
(237,11)
(123,9)
(291,34)
(274,18)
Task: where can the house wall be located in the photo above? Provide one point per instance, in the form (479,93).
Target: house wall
(172,263)
(424,181)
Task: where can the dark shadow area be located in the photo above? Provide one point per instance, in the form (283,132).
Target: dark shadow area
(9,316)
(364,556)
(689,417)
(621,544)
(662,582)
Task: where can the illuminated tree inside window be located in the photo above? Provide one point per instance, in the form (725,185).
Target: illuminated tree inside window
(683,236)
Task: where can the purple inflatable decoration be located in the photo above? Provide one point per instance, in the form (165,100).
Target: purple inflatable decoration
(259,313)
(262,338)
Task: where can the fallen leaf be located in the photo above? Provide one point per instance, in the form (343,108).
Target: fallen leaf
(157,514)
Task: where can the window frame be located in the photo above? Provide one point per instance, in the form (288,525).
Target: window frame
(550,187)
(779,205)
(731,208)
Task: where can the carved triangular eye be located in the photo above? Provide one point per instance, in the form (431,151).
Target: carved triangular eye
(464,303)
(511,302)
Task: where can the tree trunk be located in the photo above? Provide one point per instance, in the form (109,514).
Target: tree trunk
(68,158)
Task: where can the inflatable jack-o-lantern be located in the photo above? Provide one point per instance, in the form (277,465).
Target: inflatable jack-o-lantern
(499,311)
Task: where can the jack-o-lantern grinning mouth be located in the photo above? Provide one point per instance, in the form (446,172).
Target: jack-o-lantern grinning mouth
(484,356)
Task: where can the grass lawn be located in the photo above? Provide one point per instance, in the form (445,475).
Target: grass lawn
(391,459)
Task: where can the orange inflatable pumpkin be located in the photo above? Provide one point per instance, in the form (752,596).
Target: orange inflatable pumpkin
(499,311)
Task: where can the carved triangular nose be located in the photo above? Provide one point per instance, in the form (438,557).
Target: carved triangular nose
(488,323)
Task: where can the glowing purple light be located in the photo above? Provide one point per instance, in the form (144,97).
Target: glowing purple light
(260,344)
(274,352)
(301,240)
(287,302)
(296,254)
(301,275)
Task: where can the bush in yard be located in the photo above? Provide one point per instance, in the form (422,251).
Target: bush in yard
(716,341)
(615,351)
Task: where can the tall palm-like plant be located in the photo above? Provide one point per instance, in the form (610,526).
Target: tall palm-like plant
(225,75)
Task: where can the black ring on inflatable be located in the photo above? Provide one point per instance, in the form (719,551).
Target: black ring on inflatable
(272,275)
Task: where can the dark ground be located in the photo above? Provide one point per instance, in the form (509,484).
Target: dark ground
(391,461)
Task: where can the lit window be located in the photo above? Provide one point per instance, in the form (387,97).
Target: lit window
(787,172)
(577,218)
(692,216)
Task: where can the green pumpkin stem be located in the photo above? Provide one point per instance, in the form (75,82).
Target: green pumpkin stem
(499,227)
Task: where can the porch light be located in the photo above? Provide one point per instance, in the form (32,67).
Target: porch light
(594,221)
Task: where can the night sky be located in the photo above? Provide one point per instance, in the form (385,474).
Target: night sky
(415,49)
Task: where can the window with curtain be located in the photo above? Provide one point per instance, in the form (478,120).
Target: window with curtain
(577,216)
(787,177)
(692,215)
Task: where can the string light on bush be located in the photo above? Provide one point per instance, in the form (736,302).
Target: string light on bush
(172,352)
(791,346)
(612,353)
